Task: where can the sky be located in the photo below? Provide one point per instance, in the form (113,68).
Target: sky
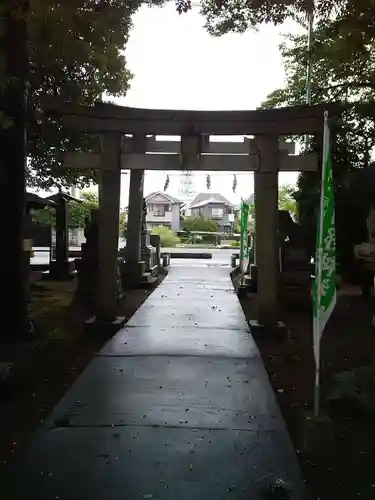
(177,64)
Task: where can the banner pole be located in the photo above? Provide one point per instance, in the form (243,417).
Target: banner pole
(316,326)
(319,256)
(241,244)
(317,393)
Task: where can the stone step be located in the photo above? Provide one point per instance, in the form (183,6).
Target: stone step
(147,278)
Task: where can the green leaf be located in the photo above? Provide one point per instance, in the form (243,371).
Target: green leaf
(76,51)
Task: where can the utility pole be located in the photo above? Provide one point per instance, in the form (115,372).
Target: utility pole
(13,157)
(310,37)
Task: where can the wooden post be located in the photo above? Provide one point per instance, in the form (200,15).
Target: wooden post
(266,213)
(109,214)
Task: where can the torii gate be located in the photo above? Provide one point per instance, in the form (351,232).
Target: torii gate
(264,155)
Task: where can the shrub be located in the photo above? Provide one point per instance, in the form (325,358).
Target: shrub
(235,244)
(168,238)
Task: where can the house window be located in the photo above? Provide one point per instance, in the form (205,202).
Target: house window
(217,213)
(159,209)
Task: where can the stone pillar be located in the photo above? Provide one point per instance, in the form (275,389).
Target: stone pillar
(62,237)
(109,214)
(60,268)
(147,252)
(133,236)
(155,242)
(266,237)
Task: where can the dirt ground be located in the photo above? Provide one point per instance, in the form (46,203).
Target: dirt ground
(347,471)
(47,365)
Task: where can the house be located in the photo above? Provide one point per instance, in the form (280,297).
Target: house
(163,210)
(213,206)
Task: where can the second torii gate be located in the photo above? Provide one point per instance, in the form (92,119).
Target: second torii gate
(264,155)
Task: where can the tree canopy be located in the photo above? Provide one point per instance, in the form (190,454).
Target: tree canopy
(287,199)
(224,16)
(342,70)
(287,202)
(199,224)
(168,238)
(76,53)
(77,211)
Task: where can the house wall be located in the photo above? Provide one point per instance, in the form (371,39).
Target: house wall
(171,217)
(176,217)
(158,198)
(207,212)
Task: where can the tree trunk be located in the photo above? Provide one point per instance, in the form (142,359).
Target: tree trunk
(13,157)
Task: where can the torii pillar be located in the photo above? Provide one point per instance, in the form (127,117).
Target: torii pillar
(109,214)
(266,230)
(132,251)
(133,266)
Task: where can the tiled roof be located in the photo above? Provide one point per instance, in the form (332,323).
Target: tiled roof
(205,198)
(168,196)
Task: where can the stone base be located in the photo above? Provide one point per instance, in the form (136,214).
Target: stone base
(147,256)
(278,331)
(234,274)
(166,259)
(62,271)
(241,291)
(253,271)
(154,270)
(105,328)
(147,279)
(316,435)
(131,273)
(147,250)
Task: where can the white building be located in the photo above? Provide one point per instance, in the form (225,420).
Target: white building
(163,210)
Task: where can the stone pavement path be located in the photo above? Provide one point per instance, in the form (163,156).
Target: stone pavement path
(177,406)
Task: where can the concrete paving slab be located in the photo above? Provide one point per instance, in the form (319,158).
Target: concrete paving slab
(191,341)
(172,318)
(221,311)
(177,406)
(153,463)
(200,291)
(189,392)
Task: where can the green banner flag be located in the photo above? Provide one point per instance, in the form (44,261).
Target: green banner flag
(325,266)
(244,250)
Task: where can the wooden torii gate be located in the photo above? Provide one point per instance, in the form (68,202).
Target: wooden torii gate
(264,155)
